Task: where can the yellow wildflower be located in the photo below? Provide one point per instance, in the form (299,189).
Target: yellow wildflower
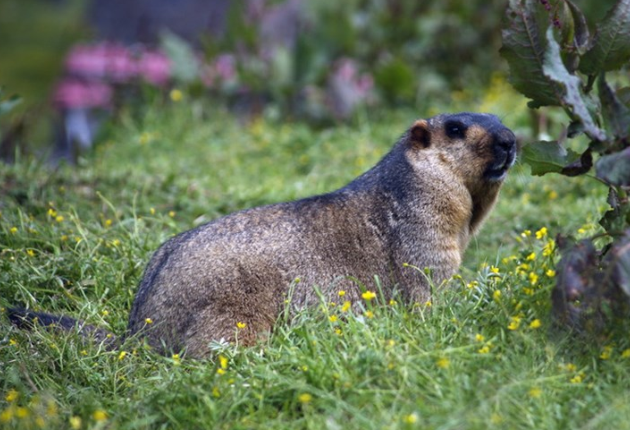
(176,95)
(11,396)
(216,392)
(368,295)
(531,257)
(332,318)
(535,392)
(443,363)
(176,359)
(625,353)
(7,414)
(99,415)
(480,337)
(148,321)
(606,352)
(346,305)
(550,273)
(515,323)
(540,234)
(341,293)
(59,218)
(369,314)
(526,233)
(241,325)
(13,230)
(570,367)
(22,412)
(171,214)
(494,270)
(223,362)
(428,303)
(122,355)
(305,398)
(533,278)
(535,324)
(220,371)
(392,302)
(484,350)
(75,423)
(108,223)
(496,295)
(472,284)
(522,268)
(549,247)
(410,419)
(30,252)
(576,379)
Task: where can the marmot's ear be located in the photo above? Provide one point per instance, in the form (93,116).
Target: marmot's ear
(420,135)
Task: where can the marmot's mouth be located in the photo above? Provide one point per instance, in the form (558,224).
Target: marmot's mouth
(497,171)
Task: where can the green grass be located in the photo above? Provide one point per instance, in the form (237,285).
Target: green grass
(75,241)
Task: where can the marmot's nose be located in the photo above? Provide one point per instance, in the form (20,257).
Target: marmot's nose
(505,140)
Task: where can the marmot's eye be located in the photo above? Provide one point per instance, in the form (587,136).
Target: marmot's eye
(455,130)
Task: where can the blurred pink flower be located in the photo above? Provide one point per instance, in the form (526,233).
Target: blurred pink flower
(72,93)
(154,67)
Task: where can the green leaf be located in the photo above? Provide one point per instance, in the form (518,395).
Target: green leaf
(614,168)
(616,114)
(184,63)
(611,47)
(524,47)
(575,35)
(571,95)
(547,157)
(580,27)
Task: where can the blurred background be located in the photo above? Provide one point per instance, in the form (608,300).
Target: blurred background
(75,63)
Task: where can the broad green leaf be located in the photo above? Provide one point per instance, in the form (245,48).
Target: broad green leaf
(184,63)
(547,157)
(615,168)
(575,35)
(571,94)
(580,27)
(524,47)
(611,46)
(616,114)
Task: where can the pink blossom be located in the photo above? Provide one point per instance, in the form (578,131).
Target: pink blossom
(88,61)
(154,67)
(72,93)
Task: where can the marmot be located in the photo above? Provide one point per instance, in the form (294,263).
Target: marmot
(417,207)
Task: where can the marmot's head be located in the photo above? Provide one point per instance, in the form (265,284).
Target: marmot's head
(476,147)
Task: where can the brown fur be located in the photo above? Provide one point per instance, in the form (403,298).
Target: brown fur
(419,205)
